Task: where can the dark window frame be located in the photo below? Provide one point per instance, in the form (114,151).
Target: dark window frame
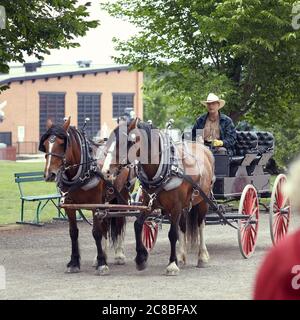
(7,141)
(51,109)
(120,109)
(91,109)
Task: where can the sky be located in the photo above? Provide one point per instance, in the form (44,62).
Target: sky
(97,45)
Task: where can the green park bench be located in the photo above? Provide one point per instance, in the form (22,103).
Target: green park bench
(41,200)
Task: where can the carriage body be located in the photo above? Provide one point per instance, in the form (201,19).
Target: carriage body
(247,166)
(245,178)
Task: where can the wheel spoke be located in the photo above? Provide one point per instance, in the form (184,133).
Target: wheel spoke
(253,230)
(284,226)
(275,223)
(252,241)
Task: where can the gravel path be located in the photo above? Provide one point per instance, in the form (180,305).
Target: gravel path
(35,258)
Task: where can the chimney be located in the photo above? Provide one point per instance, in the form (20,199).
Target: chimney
(84,63)
(32,66)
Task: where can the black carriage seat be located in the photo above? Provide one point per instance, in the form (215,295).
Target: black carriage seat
(247,142)
(265,142)
(265,147)
(251,142)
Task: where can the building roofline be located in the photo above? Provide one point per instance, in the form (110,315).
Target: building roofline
(33,76)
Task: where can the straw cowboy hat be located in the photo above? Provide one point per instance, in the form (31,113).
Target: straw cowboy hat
(213,98)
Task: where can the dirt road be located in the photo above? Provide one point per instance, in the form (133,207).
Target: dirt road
(35,258)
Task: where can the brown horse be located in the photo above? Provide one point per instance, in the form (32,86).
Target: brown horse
(175,196)
(70,161)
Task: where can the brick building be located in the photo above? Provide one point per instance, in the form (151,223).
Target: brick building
(36,93)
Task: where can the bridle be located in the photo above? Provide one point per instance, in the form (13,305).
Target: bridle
(62,156)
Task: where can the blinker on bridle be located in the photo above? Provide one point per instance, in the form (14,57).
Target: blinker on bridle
(52,139)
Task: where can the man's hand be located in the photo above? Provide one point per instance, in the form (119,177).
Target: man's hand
(217,143)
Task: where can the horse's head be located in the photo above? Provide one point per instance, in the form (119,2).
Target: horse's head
(54,144)
(115,156)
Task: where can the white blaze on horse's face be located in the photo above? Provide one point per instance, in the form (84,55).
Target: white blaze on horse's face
(108,158)
(53,162)
(48,160)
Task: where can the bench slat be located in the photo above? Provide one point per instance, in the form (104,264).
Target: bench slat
(29,179)
(41,197)
(29,174)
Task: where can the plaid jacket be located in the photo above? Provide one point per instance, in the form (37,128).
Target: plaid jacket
(227,131)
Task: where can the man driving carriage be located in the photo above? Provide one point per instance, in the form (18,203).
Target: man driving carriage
(218,129)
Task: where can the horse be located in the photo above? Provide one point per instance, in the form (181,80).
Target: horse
(177,197)
(71,162)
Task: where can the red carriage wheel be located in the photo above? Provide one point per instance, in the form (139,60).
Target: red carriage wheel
(149,234)
(280,210)
(248,227)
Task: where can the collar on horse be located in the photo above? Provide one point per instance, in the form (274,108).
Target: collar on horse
(168,166)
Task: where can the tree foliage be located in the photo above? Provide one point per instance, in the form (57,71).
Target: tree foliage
(247,49)
(33,27)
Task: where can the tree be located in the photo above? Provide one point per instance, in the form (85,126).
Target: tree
(246,48)
(33,27)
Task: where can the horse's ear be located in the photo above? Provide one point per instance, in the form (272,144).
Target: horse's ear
(133,124)
(49,124)
(67,123)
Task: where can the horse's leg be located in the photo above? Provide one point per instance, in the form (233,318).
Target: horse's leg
(120,257)
(181,256)
(203,256)
(74,265)
(141,251)
(117,227)
(100,229)
(172,269)
(104,243)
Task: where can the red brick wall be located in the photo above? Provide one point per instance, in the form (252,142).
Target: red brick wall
(23,98)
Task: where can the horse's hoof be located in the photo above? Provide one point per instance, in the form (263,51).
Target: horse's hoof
(203,259)
(141,266)
(120,260)
(172,269)
(181,260)
(202,264)
(72,270)
(102,270)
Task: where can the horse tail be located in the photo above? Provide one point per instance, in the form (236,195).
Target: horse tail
(192,226)
(117,228)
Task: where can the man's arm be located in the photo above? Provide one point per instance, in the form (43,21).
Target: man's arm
(194,131)
(198,125)
(229,135)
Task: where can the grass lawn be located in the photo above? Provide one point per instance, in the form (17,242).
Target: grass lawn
(10,202)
